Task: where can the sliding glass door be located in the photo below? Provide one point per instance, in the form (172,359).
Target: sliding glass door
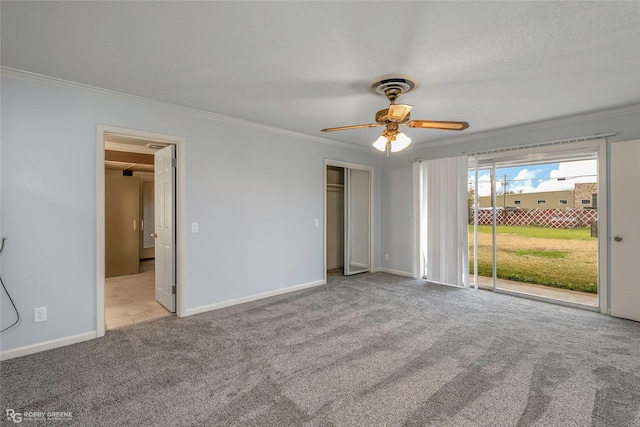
(481,239)
(534,223)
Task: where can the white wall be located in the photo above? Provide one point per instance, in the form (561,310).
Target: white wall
(255,192)
(396,224)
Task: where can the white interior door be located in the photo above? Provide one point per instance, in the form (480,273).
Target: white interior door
(625,230)
(357,220)
(164,208)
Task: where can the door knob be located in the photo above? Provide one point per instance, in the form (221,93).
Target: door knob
(618,238)
(154,235)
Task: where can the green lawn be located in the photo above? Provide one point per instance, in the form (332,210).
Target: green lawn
(561,258)
(581,233)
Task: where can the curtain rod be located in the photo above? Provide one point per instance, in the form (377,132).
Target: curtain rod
(524,146)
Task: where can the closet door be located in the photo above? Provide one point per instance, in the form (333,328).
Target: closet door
(357,221)
(122,247)
(335,227)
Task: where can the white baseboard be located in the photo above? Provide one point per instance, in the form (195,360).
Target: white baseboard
(254,297)
(47,345)
(390,271)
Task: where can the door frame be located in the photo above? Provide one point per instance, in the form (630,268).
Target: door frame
(599,146)
(347,165)
(181,227)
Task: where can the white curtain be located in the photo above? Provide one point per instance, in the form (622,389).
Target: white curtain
(444,235)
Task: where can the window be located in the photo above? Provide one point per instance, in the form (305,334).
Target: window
(517,202)
(563,201)
(542,202)
(586,201)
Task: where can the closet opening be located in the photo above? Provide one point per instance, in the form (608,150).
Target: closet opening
(335,220)
(348,218)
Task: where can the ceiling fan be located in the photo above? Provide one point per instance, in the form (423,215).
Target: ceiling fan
(392,140)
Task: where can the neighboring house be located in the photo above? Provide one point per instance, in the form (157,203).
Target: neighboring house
(582,196)
(585,195)
(541,200)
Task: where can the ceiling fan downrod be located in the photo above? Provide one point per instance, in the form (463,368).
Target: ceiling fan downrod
(392,94)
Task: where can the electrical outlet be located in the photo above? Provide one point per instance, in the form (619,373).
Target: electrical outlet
(195,227)
(386,257)
(39,314)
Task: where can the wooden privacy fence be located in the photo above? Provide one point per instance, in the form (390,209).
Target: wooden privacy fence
(556,218)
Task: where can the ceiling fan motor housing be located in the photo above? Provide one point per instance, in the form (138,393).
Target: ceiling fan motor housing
(382,117)
(392,86)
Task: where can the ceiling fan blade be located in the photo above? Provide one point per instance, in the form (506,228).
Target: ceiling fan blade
(431,124)
(397,112)
(369,125)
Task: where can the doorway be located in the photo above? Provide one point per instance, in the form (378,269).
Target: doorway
(157,277)
(130,276)
(348,218)
(335,220)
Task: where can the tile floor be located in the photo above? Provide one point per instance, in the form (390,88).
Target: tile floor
(131,299)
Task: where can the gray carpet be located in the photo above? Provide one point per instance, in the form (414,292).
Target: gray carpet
(370,350)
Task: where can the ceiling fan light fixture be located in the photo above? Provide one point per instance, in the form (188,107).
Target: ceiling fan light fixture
(380,143)
(401,142)
(392,142)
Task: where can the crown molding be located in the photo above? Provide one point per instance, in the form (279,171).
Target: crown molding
(56,82)
(543,124)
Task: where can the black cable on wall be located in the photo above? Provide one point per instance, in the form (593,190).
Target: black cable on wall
(7,292)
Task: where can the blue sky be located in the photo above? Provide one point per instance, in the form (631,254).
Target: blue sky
(538,177)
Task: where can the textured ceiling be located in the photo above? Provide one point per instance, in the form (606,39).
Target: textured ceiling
(306,65)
